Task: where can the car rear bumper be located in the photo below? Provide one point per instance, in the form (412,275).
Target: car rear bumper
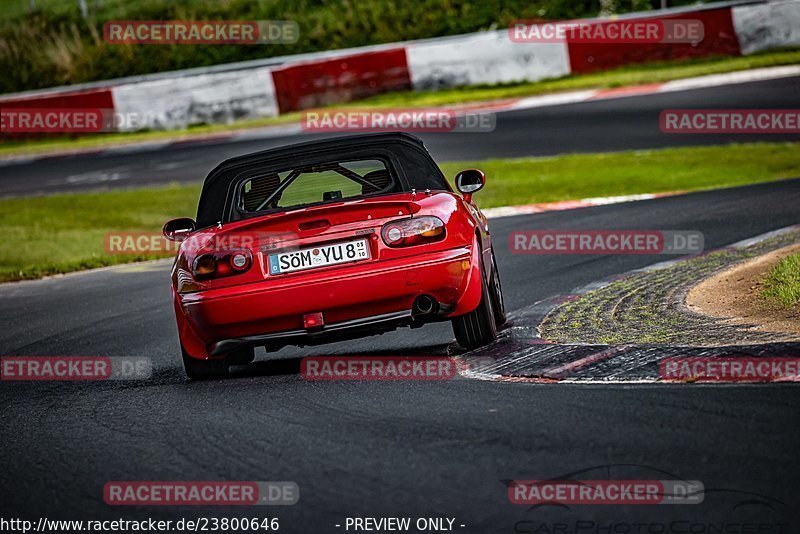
(326,334)
(359,298)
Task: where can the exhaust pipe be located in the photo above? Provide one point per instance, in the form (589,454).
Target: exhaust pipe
(424,305)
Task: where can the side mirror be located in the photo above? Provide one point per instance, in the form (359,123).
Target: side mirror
(178,229)
(470,181)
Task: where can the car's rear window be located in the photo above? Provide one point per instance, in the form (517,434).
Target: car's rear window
(315,184)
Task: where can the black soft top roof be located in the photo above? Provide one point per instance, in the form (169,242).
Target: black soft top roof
(415,167)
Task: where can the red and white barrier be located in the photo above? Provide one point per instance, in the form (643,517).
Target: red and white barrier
(176,103)
(481,58)
(100,98)
(719,38)
(342,79)
(767,26)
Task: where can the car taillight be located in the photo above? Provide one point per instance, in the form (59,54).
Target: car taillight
(414,231)
(221,263)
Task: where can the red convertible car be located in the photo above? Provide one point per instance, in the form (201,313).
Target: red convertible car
(330,240)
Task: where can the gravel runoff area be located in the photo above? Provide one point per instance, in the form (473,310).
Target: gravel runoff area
(736,295)
(649,307)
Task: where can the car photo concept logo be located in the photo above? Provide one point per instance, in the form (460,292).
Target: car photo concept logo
(577,503)
(605,492)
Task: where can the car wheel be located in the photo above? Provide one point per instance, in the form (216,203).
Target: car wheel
(203,369)
(498,305)
(478,327)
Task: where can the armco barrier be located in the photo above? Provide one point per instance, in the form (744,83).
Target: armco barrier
(483,58)
(767,26)
(262,89)
(342,79)
(719,38)
(91,98)
(203,99)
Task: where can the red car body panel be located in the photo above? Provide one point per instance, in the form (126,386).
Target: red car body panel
(220,313)
(257,303)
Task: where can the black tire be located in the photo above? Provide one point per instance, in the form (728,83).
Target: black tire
(203,369)
(498,305)
(478,327)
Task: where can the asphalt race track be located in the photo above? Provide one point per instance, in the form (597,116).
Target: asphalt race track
(594,126)
(370,449)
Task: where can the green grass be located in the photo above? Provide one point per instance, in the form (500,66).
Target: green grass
(63,233)
(54,44)
(66,232)
(530,180)
(782,284)
(56,144)
(625,76)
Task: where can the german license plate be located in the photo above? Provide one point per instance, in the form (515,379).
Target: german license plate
(321,256)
